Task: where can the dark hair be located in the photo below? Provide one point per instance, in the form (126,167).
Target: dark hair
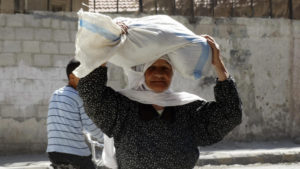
(72,65)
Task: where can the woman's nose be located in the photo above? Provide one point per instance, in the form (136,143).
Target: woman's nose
(158,74)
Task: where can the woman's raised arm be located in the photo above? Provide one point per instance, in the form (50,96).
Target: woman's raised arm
(213,120)
(107,108)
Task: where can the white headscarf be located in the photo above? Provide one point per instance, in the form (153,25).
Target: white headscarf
(138,90)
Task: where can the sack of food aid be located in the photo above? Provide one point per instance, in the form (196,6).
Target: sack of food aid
(99,40)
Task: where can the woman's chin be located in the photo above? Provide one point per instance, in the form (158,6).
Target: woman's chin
(159,89)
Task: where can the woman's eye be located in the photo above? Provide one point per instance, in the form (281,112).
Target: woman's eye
(165,68)
(151,68)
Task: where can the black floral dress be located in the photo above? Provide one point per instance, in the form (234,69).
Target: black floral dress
(144,139)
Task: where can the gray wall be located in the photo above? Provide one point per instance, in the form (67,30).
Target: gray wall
(263,56)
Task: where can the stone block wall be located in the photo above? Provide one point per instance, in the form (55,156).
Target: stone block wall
(34,50)
(295,82)
(261,54)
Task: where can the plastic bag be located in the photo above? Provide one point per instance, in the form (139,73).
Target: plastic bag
(99,39)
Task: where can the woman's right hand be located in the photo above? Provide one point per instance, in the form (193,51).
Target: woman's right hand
(123,26)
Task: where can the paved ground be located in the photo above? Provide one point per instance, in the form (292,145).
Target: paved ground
(34,161)
(253,166)
(250,153)
(226,155)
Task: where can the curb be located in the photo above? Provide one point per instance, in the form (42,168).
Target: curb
(250,157)
(27,167)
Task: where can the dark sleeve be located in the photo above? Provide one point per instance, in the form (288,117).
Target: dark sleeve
(107,108)
(211,121)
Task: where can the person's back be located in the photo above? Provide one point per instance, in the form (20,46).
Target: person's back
(66,124)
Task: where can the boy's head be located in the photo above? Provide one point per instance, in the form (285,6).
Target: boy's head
(72,65)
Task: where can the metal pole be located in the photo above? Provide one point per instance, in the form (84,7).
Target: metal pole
(271,10)
(174,8)
(192,11)
(16,6)
(117,6)
(141,5)
(232,8)
(155,5)
(48,5)
(94,5)
(213,8)
(291,9)
(71,5)
(26,5)
(252,9)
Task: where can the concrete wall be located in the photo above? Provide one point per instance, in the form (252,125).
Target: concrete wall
(263,56)
(34,52)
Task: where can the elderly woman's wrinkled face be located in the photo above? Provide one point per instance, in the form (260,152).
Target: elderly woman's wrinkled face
(159,75)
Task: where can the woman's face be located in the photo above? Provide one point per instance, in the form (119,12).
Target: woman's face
(159,75)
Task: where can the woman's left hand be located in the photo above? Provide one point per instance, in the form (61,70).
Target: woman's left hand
(216,58)
(215,50)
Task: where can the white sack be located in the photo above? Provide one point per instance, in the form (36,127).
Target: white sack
(99,40)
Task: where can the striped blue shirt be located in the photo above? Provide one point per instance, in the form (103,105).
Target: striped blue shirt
(67,122)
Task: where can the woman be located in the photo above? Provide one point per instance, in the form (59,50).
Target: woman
(155,134)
